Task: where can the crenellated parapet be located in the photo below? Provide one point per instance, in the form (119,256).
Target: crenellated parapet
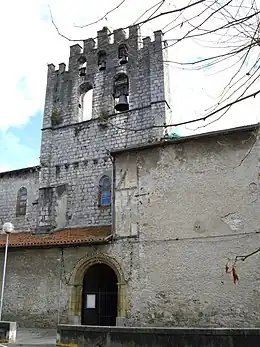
(115,48)
(113,66)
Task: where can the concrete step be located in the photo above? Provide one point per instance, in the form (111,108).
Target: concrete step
(26,337)
(34,337)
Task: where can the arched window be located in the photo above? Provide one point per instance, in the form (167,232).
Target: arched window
(105,191)
(21,202)
(85,101)
(102,60)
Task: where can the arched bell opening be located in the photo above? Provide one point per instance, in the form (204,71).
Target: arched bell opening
(121,92)
(102,60)
(82,66)
(122,54)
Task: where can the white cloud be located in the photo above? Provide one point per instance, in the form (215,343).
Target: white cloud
(4,168)
(15,155)
(26,48)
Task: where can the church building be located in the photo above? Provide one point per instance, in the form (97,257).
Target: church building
(120,225)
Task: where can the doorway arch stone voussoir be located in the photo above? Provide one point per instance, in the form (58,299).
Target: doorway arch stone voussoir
(76,286)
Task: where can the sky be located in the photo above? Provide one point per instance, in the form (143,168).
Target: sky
(30,42)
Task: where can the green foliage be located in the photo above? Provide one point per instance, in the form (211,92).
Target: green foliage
(103,117)
(103,114)
(56,118)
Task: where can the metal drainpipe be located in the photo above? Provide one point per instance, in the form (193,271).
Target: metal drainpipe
(60,289)
(113,194)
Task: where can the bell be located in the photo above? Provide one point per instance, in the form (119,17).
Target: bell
(124,60)
(102,66)
(122,104)
(82,71)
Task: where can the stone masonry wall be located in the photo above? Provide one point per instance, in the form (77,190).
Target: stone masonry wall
(156,337)
(186,208)
(36,298)
(182,209)
(83,159)
(75,154)
(10,183)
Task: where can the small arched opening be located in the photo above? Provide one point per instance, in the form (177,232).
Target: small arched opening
(99,296)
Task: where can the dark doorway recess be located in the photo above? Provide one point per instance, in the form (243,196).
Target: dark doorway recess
(100,294)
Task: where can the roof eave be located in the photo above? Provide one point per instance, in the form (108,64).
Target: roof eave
(62,244)
(181,139)
(24,170)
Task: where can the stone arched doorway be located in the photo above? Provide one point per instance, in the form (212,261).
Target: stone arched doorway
(84,274)
(99,296)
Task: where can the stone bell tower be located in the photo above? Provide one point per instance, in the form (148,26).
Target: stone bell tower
(128,80)
(123,75)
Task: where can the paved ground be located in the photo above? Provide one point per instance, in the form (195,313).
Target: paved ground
(33,338)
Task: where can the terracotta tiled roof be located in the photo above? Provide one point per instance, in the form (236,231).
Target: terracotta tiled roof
(73,236)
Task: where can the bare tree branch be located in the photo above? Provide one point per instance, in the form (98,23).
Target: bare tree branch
(231,24)
(227,107)
(189,121)
(171,11)
(195,62)
(142,22)
(244,257)
(211,31)
(247,154)
(151,16)
(153,6)
(101,18)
